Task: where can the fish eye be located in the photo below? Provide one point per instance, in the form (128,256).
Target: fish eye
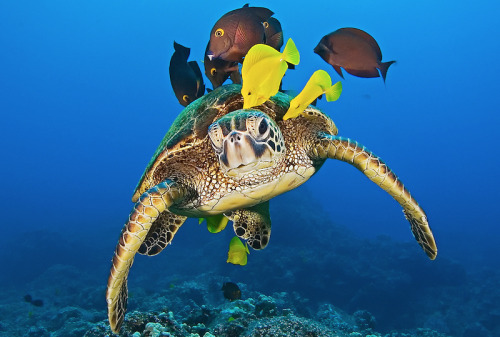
(263,126)
(219,32)
(213,71)
(266,24)
(185,98)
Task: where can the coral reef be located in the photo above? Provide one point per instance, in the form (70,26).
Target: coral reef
(258,315)
(328,282)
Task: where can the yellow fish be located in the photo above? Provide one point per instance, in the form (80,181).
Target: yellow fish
(262,71)
(319,83)
(215,223)
(237,252)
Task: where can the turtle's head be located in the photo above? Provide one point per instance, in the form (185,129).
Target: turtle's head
(245,141)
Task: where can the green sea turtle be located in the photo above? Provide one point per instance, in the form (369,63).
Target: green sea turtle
(218,158)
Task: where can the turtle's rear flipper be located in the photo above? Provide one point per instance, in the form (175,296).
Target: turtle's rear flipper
(376,170)
(146,211)
(253,224)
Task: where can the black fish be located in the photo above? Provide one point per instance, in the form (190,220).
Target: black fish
(37,303)
(231,291)
(237,31)
(185,77)
(354,50)
(217,70)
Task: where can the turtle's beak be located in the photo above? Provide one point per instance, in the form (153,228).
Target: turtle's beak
(242,153)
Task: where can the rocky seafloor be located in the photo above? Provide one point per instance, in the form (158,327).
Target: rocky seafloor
(186,308)
(327,283)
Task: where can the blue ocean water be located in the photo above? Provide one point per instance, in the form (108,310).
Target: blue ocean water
(85,100)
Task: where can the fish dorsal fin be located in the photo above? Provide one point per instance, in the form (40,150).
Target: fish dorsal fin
(321,78)
(184,51)
(291,53)
(257,53)
(261,12)
(319,82)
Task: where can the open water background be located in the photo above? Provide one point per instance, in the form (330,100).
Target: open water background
(85,100)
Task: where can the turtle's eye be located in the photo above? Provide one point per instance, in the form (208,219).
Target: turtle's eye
(263,126)
(185,98)
(213,71)
(259,127)
(219,32)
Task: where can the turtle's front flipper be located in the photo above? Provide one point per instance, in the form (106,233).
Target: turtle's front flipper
(147,209)
(253,224)
(161,233)
(373,167)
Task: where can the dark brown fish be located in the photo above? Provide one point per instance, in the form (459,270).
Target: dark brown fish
(236,77)
(354,50)
(37,303)
(185,77)
(217,70)
(231,291)
(273,33)
(237,31)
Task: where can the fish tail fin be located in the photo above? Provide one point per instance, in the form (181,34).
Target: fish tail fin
(383,68)
(333,93)
(290,53)
(323,79)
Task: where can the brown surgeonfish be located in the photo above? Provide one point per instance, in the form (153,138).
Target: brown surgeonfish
(354,50)
(273,33)
(231,291)
(237,31)
(185,77)
(218,71)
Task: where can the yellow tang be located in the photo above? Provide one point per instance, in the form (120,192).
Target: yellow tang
(215,223)
(319,83)
(237,252)
(262,71)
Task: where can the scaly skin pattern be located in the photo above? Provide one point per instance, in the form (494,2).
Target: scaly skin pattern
(150,205)
(253,225)
(186,179)
(377,171)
